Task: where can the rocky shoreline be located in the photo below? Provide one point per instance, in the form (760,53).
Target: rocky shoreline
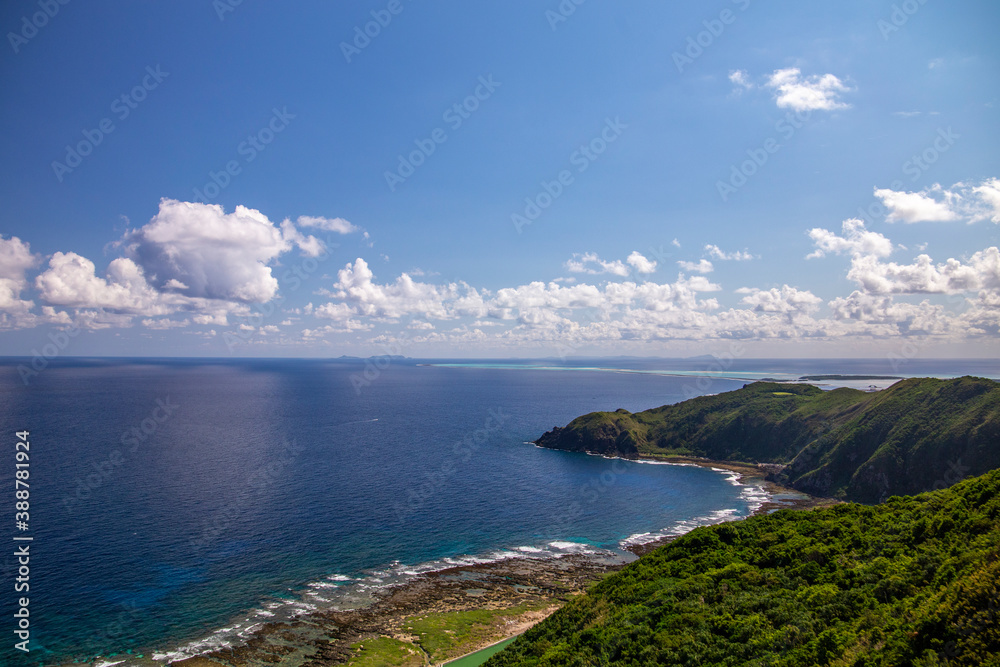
(522,591)
(534,586)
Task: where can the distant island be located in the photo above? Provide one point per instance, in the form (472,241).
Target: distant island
(820,378)
(917,435)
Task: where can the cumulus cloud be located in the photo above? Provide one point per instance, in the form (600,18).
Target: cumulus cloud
(567,317)
(915,206)
(640,263)
(209,253)
(717,253)
(989,195)
(191,258)
(812,93)
(923,276)
(961,201)
(784,300)
(701,266)
(590,263)
(856,240)
(71,281)
(309,245)
(882,315)
(15,260)
(357,289)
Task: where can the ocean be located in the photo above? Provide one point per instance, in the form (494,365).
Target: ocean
(175,504)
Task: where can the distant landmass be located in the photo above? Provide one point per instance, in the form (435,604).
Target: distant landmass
(909,582)
(819,378)
(918,435)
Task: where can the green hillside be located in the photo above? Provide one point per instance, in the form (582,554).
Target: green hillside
(912,581)
(917,435)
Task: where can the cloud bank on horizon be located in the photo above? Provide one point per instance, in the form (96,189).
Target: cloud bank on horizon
(194,265)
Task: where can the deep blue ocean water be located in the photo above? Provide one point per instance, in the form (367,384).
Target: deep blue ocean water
(174,503)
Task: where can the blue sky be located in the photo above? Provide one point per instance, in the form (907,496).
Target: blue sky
(796,179)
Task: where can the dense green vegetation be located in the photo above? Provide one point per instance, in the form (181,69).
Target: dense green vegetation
(919,434)
(912,581)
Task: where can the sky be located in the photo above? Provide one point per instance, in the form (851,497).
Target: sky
(517,179)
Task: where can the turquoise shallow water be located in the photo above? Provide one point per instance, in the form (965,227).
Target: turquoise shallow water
(176,503)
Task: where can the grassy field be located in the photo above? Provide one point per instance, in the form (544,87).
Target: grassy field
(437,637)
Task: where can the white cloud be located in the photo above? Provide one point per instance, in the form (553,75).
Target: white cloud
(213,254)
(989,193)
(717,253)
(914,207)
(856,241)
(813,93)
(191,258)
(355,286)
(786,300)
(309,245)
(883,316)
(740,78)
(640,263)
(15,260)
(590,263)
(338,225)
(71,281)
(701,266)
(676,243)
(923,276)
(555,316)
(938,204)
(165,323)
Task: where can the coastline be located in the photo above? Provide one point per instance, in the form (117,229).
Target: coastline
(476,605)
(507,596)
(778,497)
